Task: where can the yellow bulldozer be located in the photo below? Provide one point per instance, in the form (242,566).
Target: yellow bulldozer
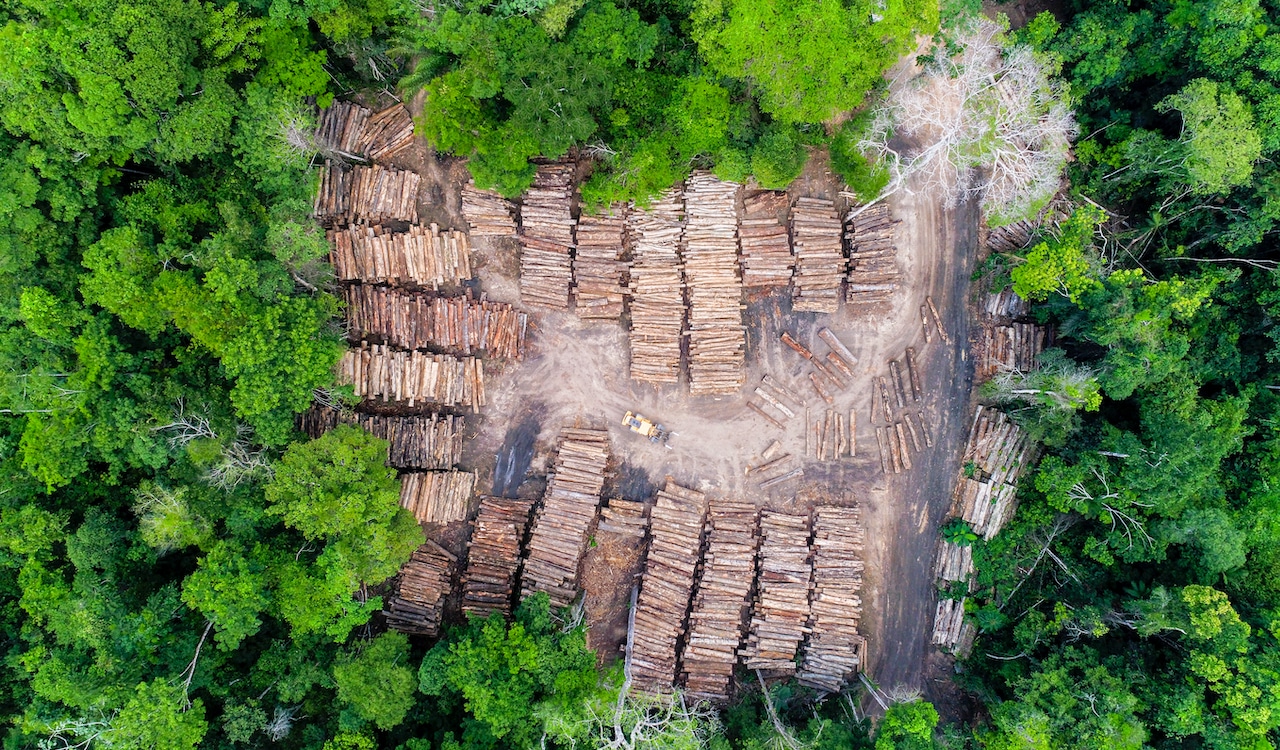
(647,427)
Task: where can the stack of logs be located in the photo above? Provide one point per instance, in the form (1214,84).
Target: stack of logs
(420,256)
(717,340)
(423,583)
(419,442)
(1011,238)
(560,530)
(459,325)
(488,213)
(493,555)
(437,496)
(625,518)
(835,649)
(829,375)
(873,266)
(377,371)
(820,263)
(598,266)
(766,248)
(1012,348)
(1006,304)
(657,294)
(366,194)
(546,238)
(675,527)
(348,130)
(949,626)
(720,604)
(997,451)
(782,595)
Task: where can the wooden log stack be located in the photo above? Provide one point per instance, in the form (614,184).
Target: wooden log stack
(717,619)
(1011,238)
(766,247)
(379,372)
(1006,304)
(996,454)
(820,261)
(418,442)
(457,325)
(420,256)
(340,127)
(598,266)
(488,213)
(657,290)
(780,616)
(546,238)
(835,649)
(873,264)
(560,530)
(493,555)
(420,590)
(625,518)
(386,133)
(366,194)
(949,627)
(437,496)
(1012,348)
(955,562)
(675,529)
(717,337)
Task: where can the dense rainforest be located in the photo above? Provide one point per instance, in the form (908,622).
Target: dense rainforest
(180,568)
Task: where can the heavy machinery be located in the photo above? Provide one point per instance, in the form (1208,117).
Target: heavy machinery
(641,426)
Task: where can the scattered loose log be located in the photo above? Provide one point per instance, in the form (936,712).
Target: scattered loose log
(835,648)
(493,555)
(657,290)
(717,618)
(675,528)
(913,374)
(420,588)
(781,607)
(379,372)
(560,529)
(458,325)
(709,259)
(420,256)
(418,442)
(820,260)
(437,496)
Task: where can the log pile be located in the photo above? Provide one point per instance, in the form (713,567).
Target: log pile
(493,555)
(949,627)
(820,262)
(783,579)
(955,562)
(366,194)
(1012,348)
(1011,238)
(835,649)
(997,451)
(717,338)
(420,256)
(386,133)
(488,213)
(598,266)
(437,496)
(657,291)
(379,372)
(1006,304)
(873,265)
(568,509)
(766,248)
(546,238)
(340,128)
(420,591)
(458,325)
(419,442)
(625,518)
(675,528)
(720,604)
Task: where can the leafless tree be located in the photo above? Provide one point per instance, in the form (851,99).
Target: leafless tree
(78,734)
(986,123)
(281,723)
(240,462)
(185,426)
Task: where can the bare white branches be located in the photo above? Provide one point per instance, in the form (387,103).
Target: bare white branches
(185,427)
(240,462)
(986,123)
